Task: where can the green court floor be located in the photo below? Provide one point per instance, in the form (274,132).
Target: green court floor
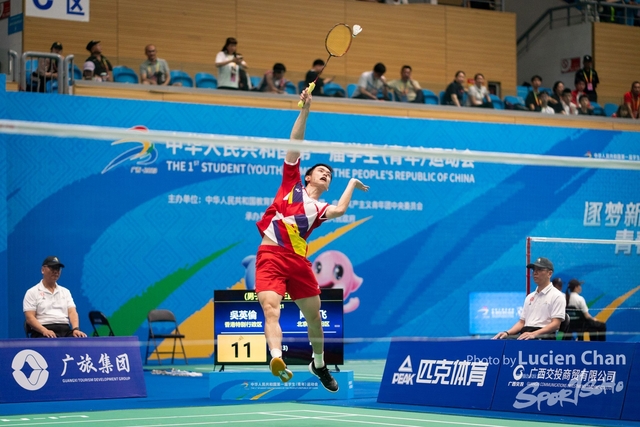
(264,415)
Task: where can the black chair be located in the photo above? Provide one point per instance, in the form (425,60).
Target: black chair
(27,329)
(578,324)
(565,325)
(164,316)
(98,318)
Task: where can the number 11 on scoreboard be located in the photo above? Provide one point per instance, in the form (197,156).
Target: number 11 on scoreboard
(242,348)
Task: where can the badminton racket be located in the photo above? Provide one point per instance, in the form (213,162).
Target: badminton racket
(337,42)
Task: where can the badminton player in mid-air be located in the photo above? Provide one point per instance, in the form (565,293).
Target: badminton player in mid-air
(281,262)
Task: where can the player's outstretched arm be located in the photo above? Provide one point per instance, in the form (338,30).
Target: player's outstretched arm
(297,132)
(335,211)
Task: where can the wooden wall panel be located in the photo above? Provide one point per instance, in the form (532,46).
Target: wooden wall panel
(435,40)
(616,59)
(398,35)
(484,42)
(290,32)
(187,35)
(40,33)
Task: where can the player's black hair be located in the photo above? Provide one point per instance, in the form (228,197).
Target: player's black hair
(310,171)
(318,62)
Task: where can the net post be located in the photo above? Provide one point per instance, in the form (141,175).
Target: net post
(528,260)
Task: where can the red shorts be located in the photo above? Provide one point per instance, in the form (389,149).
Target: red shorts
(280,270)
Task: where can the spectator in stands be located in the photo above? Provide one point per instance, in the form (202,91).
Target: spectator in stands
(47,68)
(87,72)
(578,92)
(478,95)
(48,308)
(317,67)
(455,91)
(624,112)
(405,88)
(273,80)
(568,107)
(555,101)
(590,78)
(632,99)
(544,309)
(232,67)
(154,71)
(103,67)
(557,283)
(544,103)
(597,330)
(533,102)
(585,106)
(372,82)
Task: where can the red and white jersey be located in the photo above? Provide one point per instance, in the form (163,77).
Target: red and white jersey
(293,215)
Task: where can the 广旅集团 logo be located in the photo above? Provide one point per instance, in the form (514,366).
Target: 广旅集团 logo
(39,374)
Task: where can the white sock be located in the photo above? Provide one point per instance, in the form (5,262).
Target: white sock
(318,360)
(276,352)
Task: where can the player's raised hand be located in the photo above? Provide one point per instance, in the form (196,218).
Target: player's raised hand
(359,185)
(305,96)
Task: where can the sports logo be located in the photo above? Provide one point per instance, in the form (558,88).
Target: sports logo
(39,374)
(405,373)
(145,154)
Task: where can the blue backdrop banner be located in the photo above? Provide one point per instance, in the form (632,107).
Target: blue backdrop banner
(141,225)
(34,370)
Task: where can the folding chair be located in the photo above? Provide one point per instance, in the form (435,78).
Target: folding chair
(166,316)
(98,318)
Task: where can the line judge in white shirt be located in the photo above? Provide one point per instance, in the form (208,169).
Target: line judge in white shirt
(544,309)
(49,308)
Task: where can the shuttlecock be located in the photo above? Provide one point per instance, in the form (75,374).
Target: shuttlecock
(357,29)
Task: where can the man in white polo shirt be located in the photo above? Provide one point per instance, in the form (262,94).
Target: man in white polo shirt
(544,309)
(49,308)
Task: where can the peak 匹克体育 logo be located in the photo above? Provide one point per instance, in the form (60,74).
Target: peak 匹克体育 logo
(145,153)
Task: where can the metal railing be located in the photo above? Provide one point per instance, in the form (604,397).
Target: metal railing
(576,13)
(13,59)
(41,55)
(67,66)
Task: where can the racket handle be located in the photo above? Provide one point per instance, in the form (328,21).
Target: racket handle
(310,89)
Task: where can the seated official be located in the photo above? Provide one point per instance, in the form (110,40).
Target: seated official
(543,311)
(49,308)
(597,329)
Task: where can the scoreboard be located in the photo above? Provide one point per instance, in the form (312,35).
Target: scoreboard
(238,325)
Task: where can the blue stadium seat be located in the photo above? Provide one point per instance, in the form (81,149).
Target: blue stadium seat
(180,78)
(523,91)
(301,86)
(497,102)
(597,109)
(290,88)
(351,87)
(430,97)
(123,74)
(255,82)
(514,100)
(331,89)
(610,109)
(77,72)
(206,80)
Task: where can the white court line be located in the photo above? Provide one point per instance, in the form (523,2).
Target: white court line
(289,414)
